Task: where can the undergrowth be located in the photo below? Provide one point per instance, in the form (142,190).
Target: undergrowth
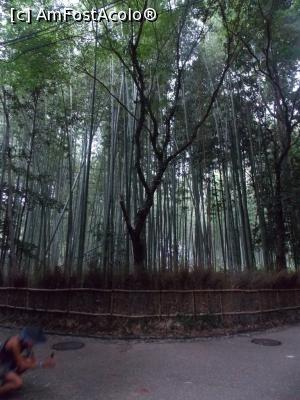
(196,279)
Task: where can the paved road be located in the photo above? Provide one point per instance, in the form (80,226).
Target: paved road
(228,368)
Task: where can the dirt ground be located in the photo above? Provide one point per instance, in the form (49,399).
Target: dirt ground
(225,368)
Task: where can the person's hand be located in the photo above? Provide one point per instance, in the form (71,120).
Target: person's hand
(49,363)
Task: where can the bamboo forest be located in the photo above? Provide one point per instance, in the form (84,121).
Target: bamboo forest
(151,146)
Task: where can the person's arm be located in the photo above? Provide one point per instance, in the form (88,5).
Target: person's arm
(29,362)
(21,361)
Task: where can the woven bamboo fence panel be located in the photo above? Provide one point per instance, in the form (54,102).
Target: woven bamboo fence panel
(150,303)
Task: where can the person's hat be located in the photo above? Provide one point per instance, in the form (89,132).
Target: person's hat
(35,334)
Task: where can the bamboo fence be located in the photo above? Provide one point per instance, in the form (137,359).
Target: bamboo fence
(136,304)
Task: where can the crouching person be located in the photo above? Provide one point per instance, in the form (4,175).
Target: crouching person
(16,357)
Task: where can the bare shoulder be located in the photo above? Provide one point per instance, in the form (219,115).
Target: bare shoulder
(13,343)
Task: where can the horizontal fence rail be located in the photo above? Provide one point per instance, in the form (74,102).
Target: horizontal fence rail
(156,303)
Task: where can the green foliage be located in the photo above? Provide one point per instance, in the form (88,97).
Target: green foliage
(35,53)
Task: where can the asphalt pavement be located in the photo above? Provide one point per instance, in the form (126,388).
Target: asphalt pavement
(226,368)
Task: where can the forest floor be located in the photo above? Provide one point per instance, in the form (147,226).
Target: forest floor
(225,368)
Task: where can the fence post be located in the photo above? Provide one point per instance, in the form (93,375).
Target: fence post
(68,300)
(221,307)
(27,299)
(277,299)
(194,304)
(260,306)
(208,303)
(112,302)
(159,305)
